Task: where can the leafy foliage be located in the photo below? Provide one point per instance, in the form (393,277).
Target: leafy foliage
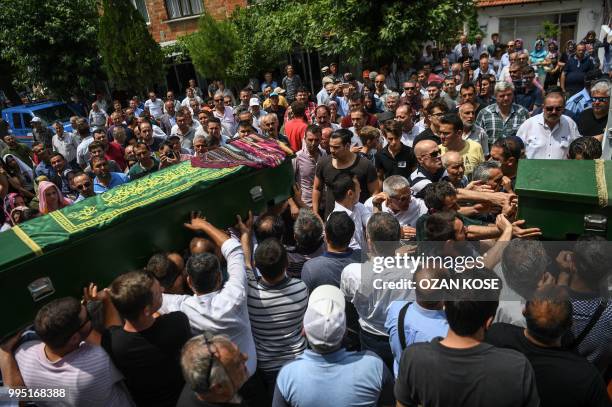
(52,43)
(131,58)
(213,47)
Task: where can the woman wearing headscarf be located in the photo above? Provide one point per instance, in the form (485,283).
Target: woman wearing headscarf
(592,44)
(518,45)
(551,66)
(18,215)
(538,55)
(21,176)
(50,198)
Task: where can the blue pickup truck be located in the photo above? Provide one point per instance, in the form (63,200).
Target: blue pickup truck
(19,117)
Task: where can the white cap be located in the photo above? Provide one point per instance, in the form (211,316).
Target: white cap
(254,102)
(35,119)
(325,320)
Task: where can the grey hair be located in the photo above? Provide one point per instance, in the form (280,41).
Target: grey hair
(523,264)
(502,86)
(198,137)
(195,363)
(601,87)
(445,156)
(393,95)
(393,184)
(308,230)
(481,172)
(270,116)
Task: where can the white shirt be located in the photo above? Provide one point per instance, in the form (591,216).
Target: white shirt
(360,216)
(543,142)
(66,146)
(355,140)
(478,135)
(156,107)
(186,101)
(408,137)
(222,312)
(228,121)
(83,151)
(408,217)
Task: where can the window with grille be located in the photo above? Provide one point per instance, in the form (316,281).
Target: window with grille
(184,8)
(141,6)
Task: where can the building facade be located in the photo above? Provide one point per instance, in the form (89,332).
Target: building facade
(525,18)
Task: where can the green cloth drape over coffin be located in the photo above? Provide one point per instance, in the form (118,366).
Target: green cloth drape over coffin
(556,195)
(106,235)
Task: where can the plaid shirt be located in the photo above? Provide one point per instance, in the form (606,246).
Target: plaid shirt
(490,119)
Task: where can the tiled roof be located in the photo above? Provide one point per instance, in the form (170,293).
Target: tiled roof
(496,3)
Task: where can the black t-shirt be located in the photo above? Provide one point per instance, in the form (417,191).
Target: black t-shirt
(434,375)
(563,378)
(362,168)
(402,164)
(426,134)
(588,125)
(189,399)
(150,359)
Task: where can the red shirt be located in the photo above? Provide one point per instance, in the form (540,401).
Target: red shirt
(372,120)
(115,152)
(295,130)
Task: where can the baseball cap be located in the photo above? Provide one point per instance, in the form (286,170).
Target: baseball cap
(325,69)
(35,119)
(327,80)
(324,320)
(254,102)
(273,94)
(279,91)
(373,75)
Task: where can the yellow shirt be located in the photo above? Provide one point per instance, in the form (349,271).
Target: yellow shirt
(471,153)
(281,101)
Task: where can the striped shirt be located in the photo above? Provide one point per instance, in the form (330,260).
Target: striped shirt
(276,313)
(87,374)
(490,119)
(420,178)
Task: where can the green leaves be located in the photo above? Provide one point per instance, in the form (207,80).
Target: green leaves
(131,59)
(51,43)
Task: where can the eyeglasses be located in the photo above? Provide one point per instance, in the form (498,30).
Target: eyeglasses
(434,154)
(84,185)
(554,108)
(603,99)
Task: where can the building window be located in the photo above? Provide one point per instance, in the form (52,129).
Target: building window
(529,28)
(141,6)
(184,8)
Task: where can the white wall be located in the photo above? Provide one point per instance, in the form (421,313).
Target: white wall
(590,15)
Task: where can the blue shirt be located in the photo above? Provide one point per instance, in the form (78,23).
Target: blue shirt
(339,378)
(117,178)
(579,102)
(420,325)
(327,269)
(45,169)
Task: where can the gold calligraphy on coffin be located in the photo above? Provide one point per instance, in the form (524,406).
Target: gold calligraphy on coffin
(135,194)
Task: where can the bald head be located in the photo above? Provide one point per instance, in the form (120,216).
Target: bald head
(427,297)
(451,158)
(548,314)
(424,147)
(200,245)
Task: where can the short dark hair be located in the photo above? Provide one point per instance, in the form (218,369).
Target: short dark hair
(301,89)
(57,321)
(339,229)
(511,147)
(356,97)
(592,258)
(440,226)
(205,272)
(439,103)
(271,258)
(587,147)
(384,232)
(342,183)
(467,85)
(314,129)
(308,231)
(163,269)
(452,119)
(131,293)
(523,264)
(56,154)
(394,127)
(548,315)
(95,144)
(214,119)
(298,109)
(436,193)
(437,84)
(267,226)
(344,134)
(466,317)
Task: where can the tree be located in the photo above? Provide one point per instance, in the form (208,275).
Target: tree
(212,46)
(51,43)
(131,58)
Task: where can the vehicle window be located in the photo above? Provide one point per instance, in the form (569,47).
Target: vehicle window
(26,120)
(17,121)
(50,114)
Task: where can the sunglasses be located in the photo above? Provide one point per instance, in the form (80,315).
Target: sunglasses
(84,185)
(412,88)
(554,108)
(434,154)
(603,99)
(218,100)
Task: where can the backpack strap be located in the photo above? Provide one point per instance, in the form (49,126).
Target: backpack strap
(596,315)
(400,325)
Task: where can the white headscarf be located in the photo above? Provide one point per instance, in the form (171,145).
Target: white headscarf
(23,166)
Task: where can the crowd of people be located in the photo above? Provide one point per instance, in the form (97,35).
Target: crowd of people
(280,309)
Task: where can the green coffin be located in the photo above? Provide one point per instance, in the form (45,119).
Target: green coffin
(109,234)
(557,195)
